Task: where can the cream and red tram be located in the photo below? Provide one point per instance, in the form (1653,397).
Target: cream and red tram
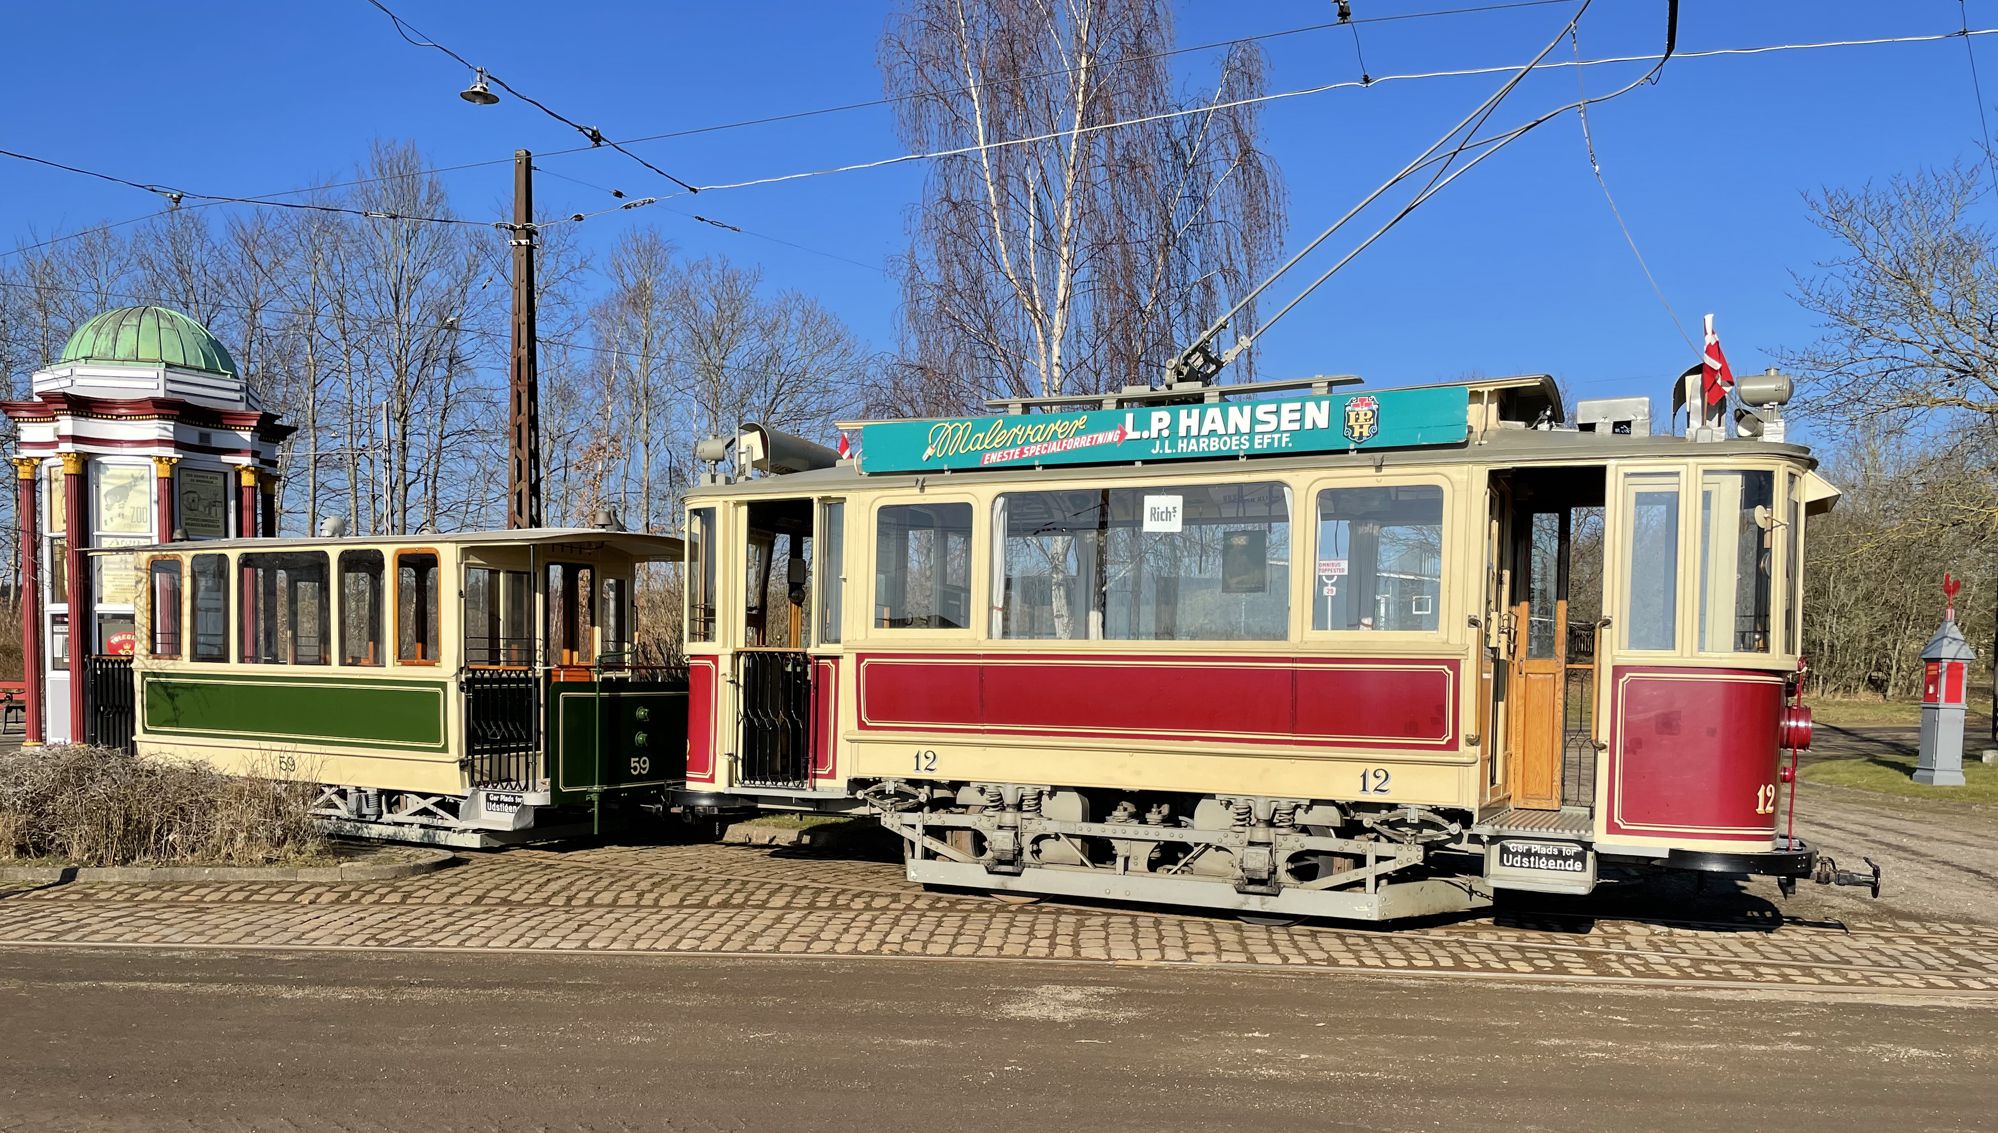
(1297,653)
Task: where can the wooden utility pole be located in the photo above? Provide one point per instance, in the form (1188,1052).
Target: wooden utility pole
(523,483)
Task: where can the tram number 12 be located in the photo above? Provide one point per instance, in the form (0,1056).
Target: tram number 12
(1765,799)
(1373,780)
(926,760)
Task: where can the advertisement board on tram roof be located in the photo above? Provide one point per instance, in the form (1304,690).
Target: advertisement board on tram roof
(1279,426)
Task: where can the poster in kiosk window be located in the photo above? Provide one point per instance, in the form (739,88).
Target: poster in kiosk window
(1277,426)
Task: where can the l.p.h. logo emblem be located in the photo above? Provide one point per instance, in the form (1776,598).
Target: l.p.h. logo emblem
(1363,418)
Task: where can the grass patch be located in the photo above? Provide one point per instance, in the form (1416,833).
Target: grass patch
(85,806)
(1865,711)
(1895,775)
(793,820)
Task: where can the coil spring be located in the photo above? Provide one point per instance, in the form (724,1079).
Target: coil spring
(1030,801)
(1284,815)
(1244,811)
(993,795)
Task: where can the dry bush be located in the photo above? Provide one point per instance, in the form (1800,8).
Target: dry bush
(94,807)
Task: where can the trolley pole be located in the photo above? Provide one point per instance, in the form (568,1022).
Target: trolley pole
(523,498)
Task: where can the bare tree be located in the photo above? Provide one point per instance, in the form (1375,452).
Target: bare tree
(1059,255)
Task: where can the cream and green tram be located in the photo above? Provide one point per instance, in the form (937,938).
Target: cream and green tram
(1287,652)
(464,689)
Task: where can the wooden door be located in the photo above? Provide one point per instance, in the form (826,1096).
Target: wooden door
(1539,658)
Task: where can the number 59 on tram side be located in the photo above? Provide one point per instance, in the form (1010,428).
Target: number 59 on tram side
(1286,649)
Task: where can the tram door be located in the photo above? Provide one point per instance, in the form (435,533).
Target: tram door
(774,665)
(1554,588)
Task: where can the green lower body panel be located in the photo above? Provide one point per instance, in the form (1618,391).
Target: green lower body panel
(321,710)
(615,735)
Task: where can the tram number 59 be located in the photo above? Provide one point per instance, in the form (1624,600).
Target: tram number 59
(1373,780)
(641,765)
(1765,799)
(926,760)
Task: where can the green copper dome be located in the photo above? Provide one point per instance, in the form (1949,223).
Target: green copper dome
(147,336)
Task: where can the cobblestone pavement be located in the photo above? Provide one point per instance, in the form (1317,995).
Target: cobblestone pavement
(727,900)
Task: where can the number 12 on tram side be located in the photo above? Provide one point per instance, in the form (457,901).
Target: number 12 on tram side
(1325,653)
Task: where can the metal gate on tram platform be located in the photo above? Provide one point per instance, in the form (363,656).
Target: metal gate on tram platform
(775,747)
(110,703)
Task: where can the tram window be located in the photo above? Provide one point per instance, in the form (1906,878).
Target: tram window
(616,617)
(164,640)
(1651,562)
(922,565)
(416,607)
(701,574)
(571,594)
(211,608)
(285,610)
(1380,558)
(1738,523)
(832,569)
(1193,562)
(360,607)
(498,612)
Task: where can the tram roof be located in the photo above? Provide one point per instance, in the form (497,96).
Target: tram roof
(637,544)
(1510,446)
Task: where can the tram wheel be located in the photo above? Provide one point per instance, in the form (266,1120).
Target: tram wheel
(1268,920)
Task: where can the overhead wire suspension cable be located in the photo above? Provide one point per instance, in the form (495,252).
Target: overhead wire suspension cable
(1596,167)
(591,132)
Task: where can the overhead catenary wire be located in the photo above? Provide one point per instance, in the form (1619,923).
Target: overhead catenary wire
(1251,100)
(1977,93)
(409,32)
(780,118)
(176,196)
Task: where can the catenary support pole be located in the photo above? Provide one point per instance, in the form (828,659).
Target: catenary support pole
(523,500)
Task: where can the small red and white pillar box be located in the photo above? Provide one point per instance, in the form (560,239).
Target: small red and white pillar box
(1945,671)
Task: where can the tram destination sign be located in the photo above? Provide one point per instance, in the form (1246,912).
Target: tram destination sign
(1396,418)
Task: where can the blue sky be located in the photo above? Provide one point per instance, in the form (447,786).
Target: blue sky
(1519,266)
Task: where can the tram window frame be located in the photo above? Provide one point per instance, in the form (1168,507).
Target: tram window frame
(1730,581)
(208,575)
(699,615)
(614,618)
(165,592)
(571,590)
(1633,485)
(884,532)
(430,618)
(370,565)
(1793,564)
(1438,596)
(829,574)
(1175,576)
(498,625)
(273,628)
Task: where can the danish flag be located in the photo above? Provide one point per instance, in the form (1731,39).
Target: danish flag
(1715,376)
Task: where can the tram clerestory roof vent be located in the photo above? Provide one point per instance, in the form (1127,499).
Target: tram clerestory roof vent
(1620,416)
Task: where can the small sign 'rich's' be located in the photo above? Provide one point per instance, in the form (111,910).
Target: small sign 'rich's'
(1263,427)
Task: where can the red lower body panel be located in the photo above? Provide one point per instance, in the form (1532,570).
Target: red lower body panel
(1693,754)
(1314,702)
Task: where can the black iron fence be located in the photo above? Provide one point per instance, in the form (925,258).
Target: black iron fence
(503,727)
(110,702)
